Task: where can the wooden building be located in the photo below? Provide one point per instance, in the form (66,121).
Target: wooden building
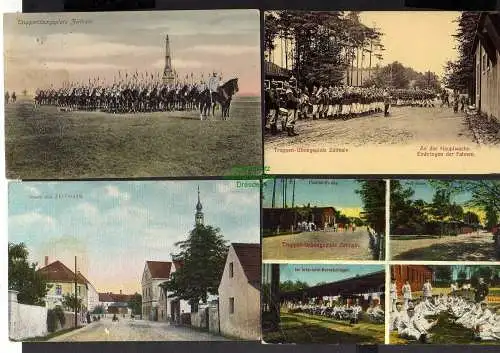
(416,275)
(486,51)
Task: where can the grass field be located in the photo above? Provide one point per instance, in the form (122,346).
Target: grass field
(303,328)
(45,143)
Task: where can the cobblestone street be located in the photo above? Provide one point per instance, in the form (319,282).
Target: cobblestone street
(318,246)
(135,330)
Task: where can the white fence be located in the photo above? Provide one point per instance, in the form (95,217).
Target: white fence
(26,321)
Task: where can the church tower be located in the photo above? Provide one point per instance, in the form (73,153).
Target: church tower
(198,217)
(168,73)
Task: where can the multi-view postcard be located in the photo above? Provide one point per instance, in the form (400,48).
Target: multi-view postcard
(458,304)
(381,92)
(445,220)
(316,303)
(323,219)
(132,94)
(134,261)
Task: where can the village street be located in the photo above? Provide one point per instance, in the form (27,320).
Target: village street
(464,247)
(405,125)
(318,246)
(134,330)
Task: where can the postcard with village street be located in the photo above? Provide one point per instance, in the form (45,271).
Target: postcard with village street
(132,94)
(323,219)
(445,220)
(134,261)
(351,92)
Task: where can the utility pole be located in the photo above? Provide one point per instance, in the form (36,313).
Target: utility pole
(76,297)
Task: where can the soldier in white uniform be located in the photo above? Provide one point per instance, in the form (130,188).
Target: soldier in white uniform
(394,295)
(427,289)
(413,327)
(406,294)
(213,85)
(397,316)
(490,329)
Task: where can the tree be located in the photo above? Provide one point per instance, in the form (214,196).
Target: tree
(203,256)
(135,304)
(443,274)
(99,309)
(72,302)
(24,278)
(459,74)
(290,286)
(372,194)
(441,207)
(491,217)
(471,218)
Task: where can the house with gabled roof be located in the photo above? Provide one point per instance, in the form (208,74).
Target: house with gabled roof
(239,292)
(61,281)
(157,305)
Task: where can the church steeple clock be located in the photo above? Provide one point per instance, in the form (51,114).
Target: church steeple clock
(199,214)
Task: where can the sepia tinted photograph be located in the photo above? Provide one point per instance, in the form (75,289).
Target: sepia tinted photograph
(351,92)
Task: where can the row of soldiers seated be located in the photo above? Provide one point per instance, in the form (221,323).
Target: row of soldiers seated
(413,323)
(352,312)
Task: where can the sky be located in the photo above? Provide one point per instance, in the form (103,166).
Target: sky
(114,227)
(339,193)
(314,274)
(421,40)
(424,191)
(227,41)
(418,39)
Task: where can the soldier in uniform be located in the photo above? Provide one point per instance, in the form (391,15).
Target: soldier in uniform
(273,108)
(291,106)
(481,290)
(213,85)
(387,102)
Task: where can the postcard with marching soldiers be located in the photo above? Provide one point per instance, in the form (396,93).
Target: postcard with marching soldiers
(134,261)
(382,92)
(134,94)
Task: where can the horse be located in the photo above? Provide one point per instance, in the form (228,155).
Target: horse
(224,95)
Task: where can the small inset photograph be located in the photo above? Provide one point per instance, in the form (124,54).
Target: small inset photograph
(323,219)
(317,303)
(445,220)
(445,304)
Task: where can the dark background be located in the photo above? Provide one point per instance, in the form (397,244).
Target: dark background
(248,347)
(113,5)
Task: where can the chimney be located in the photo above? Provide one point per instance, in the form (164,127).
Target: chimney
(46,260)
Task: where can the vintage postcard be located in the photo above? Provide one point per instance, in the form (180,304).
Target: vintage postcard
(132,94)
(323,219)
(323,303)
(382,92)
(134,261)
(444,220)
(445,304)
